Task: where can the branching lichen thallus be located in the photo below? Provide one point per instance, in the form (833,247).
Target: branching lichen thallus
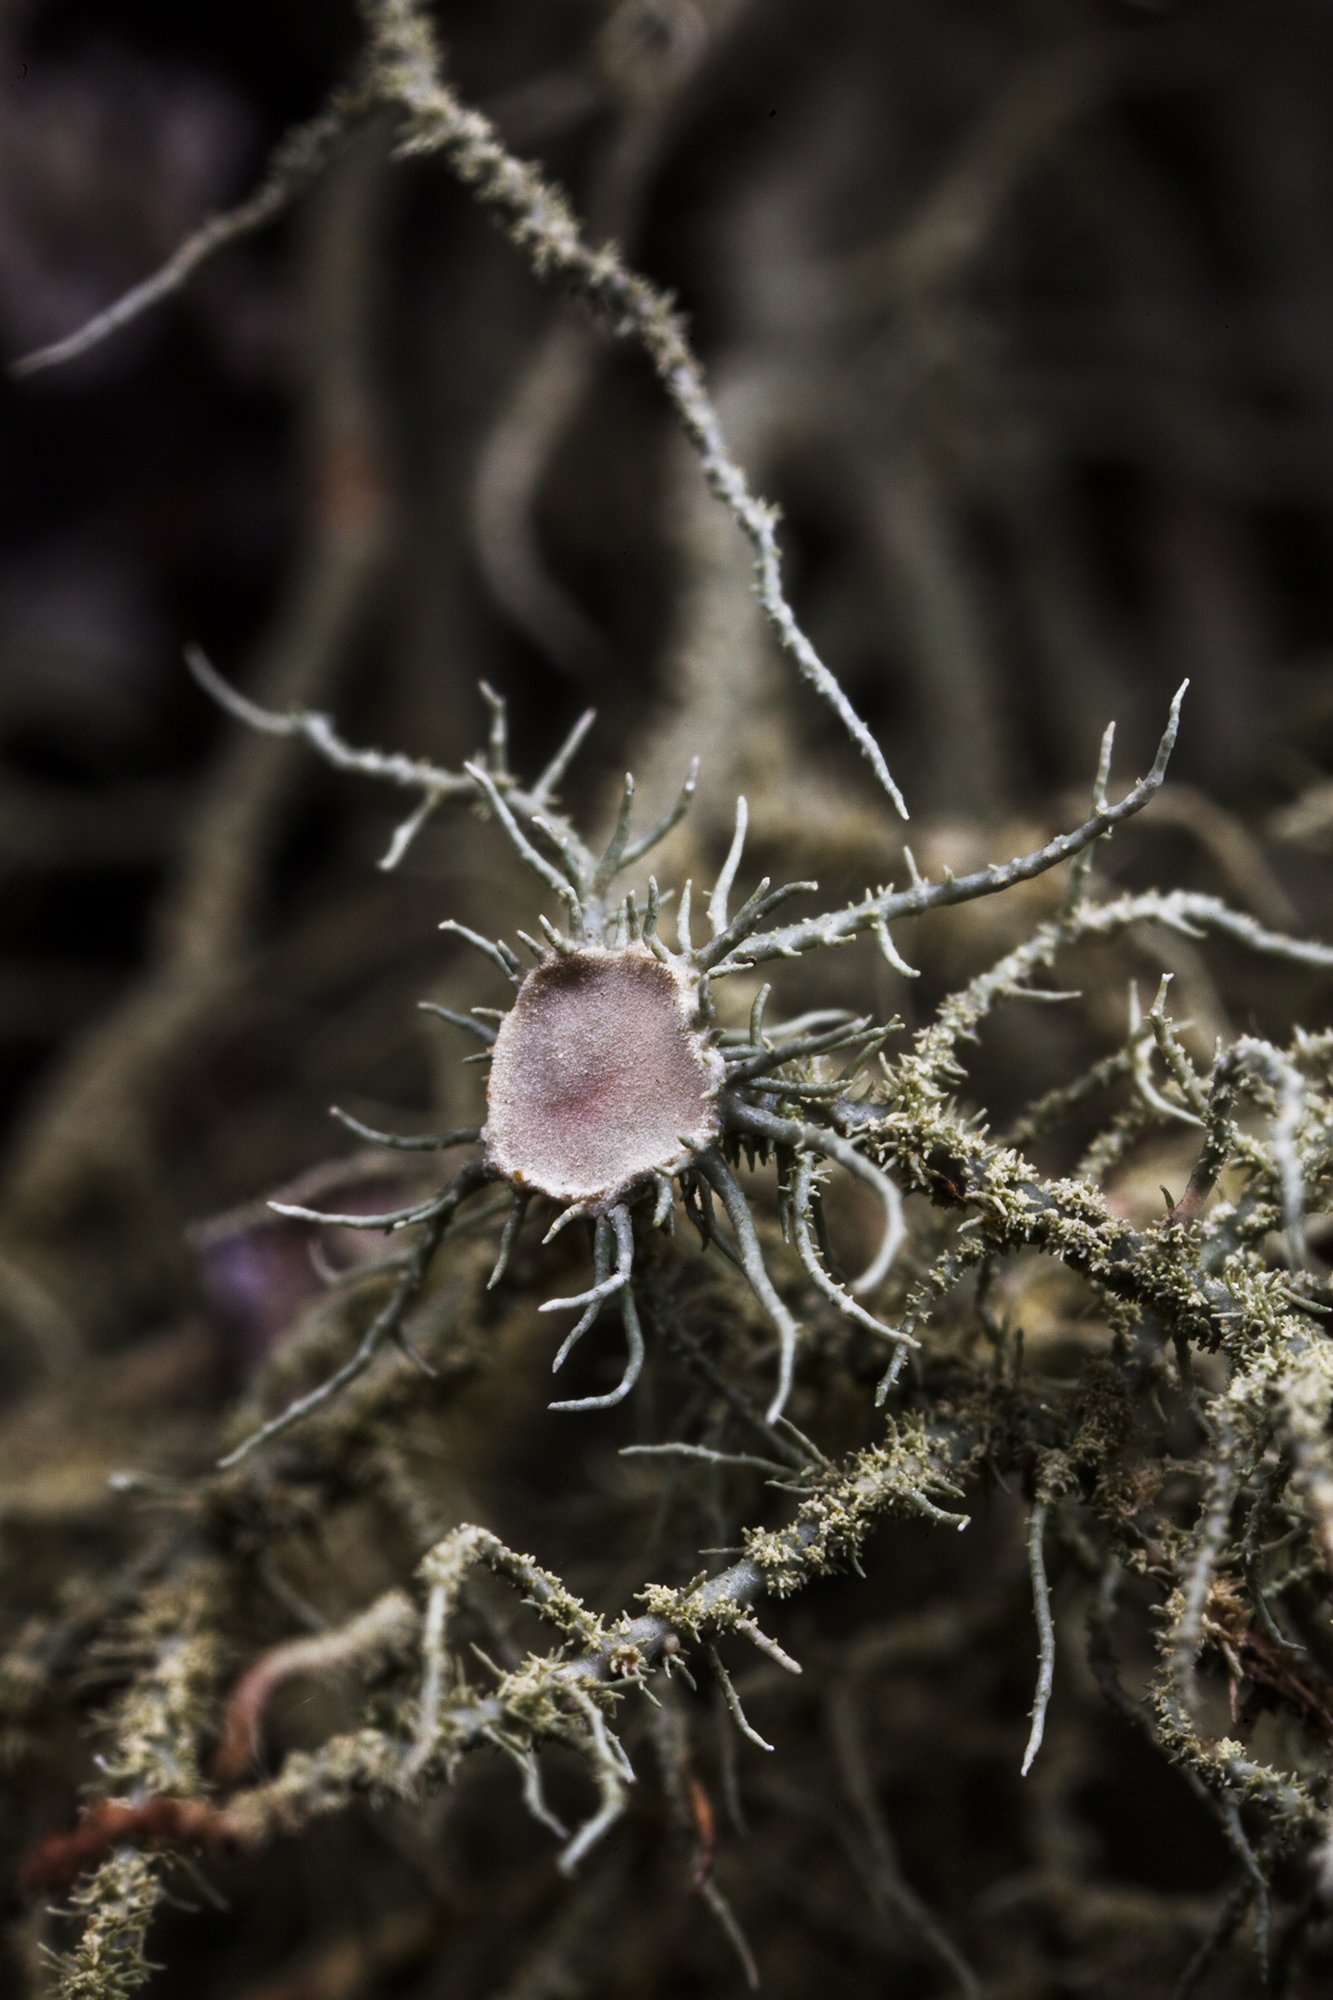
(614,1085)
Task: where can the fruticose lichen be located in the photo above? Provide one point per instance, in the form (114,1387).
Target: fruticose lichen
(1154,1387)
(617,1086)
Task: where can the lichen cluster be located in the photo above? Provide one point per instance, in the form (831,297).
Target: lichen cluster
(614,1080)
(1181,1446)
(1089,1342)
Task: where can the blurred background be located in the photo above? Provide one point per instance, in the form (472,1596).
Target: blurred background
(1023,313)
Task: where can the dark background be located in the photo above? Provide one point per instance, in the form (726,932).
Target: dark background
(1037,303)
(1023,312)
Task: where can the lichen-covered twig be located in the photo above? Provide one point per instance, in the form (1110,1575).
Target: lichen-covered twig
(890,904)
(403,74)
(1041,1611)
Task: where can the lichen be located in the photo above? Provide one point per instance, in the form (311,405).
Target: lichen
(600,1077)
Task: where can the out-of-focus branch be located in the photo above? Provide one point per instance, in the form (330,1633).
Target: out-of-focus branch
(298,160)
(404,73)
(90,1121)
(539,223)
(648,57)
